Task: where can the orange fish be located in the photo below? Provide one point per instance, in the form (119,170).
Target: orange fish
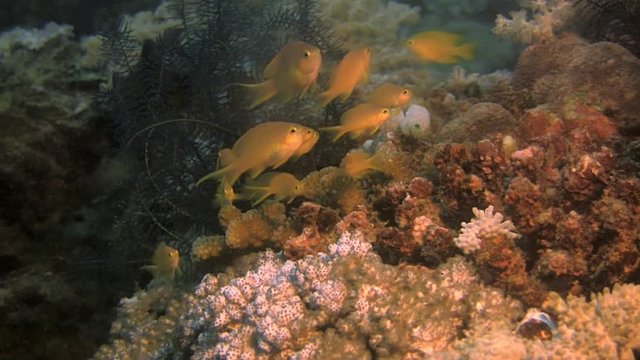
(290,73)
(441,47)
(266,145)
(361,120)
(283,186)
(357,163)
(390,95)
(351,70)
(166,261)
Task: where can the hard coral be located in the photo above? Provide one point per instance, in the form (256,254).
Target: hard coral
(568,70)
(317,223)
(610,20)
(486,224)
(491,243)
(548,17)
(479,122)
(256,228)
(332,187)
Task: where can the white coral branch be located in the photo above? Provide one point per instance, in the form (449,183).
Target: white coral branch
(486,223)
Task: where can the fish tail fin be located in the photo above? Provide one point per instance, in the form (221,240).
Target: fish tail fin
(259,93)
(467,51)
(336,131)
(230,174)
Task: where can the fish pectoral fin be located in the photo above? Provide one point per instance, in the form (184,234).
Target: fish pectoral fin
(253,173)
(373,130)
(344,96)
(261,199)
(364,79)
(356,134)
(327,96)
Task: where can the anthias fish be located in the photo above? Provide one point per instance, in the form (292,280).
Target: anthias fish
(441,47)
(266,145)
(289,74)
(352,69)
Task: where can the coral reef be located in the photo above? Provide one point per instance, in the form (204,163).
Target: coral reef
(600,75)
(548,17)
(479,122)
(345,302)
(610,20)
(257,228)
(363,264)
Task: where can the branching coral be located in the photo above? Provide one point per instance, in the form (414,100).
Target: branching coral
(257,228)
(486,224)
(548,16)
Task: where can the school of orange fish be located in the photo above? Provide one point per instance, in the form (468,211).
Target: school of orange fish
(291,72)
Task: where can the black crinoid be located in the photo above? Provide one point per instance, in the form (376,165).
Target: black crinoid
(173,108)
(616,21)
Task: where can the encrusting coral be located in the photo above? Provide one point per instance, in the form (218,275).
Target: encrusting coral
(304,308)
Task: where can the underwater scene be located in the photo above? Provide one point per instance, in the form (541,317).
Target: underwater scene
(320,179)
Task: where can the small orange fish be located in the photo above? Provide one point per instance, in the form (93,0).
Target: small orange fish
(309,140)
(352,69)
(390,95)
(283,186)
(166,261)
(361,120)
(357,163)
(290,73)
(266,145)
(225,196)
(441,47)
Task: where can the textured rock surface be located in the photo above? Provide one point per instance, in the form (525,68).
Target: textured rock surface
(603,74)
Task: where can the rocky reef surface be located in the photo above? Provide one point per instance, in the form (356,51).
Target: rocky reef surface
(508,229)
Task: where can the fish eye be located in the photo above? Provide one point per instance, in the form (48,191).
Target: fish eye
(405,92)
(384,111)
(292,130)
(306,54)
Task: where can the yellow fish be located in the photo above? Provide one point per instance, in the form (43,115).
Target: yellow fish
(290,73)
(266,145)
(308,142)
(225,195)
(357,163)
(390,96)
(441,47)
(283,186)
(166,261)
(361,120)
(351,70)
